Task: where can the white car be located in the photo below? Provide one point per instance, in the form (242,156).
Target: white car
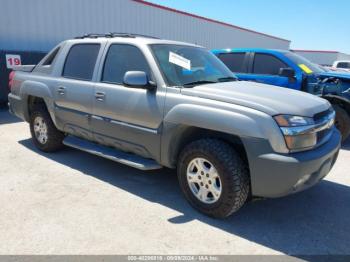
(334,69)
(344,65)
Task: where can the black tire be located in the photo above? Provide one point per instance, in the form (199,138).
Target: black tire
(232,170)
(54,136)
(342,121)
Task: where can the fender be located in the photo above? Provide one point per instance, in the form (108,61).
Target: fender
(249,124)
(33,88)
(37,89)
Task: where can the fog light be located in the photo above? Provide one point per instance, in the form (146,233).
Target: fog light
(301,141)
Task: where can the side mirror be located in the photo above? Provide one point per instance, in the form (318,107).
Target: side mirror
(287,72)
(137,79)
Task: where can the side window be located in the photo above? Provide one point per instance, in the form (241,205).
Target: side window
(265,64)
(343,65)
(48,61)
(80,61)
(120,59)
(234,61)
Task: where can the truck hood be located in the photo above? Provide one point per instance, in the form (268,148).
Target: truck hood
(269,99)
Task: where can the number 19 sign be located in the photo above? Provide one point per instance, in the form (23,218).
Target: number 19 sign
(12,61)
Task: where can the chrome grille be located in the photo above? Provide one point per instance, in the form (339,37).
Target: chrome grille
(320,116)
(325,122)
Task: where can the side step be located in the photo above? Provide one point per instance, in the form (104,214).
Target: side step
(111,153)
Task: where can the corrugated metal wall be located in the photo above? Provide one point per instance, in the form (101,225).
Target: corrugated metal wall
(323,57)
(41,24)
(342,56)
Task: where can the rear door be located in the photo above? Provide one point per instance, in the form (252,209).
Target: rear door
(265,68)
(74,89)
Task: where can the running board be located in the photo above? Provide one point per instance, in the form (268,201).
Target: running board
(111,153)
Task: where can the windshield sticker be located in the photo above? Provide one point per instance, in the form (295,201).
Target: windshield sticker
(305,68)
(179,60)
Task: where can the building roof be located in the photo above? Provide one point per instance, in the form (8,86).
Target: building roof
(315,51)
(206,19)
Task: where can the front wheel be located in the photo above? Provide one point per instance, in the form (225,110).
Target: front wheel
(213,177)
(342,121)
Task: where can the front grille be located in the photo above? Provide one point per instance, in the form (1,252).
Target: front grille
(323,135)
(320,116)
(323,118)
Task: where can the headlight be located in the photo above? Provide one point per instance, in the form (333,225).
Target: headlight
(300,133)
(289,120)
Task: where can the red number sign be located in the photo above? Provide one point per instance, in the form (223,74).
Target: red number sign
(13,60)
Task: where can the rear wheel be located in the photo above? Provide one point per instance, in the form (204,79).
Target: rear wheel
(342,121)
(45,135)
(213,177)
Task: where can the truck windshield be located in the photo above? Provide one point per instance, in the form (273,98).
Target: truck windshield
(302,62)
(189,66)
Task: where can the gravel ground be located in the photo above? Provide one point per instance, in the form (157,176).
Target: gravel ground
(75,203)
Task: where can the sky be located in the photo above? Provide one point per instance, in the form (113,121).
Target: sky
(309,24)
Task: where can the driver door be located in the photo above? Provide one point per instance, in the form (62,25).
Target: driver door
(127,118)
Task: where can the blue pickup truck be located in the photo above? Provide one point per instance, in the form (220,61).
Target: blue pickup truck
(286,69)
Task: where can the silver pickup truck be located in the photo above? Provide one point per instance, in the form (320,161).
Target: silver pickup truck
(149,103)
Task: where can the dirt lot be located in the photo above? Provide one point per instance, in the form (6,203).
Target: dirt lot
(75,203)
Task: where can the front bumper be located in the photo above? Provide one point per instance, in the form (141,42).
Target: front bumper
(276,175)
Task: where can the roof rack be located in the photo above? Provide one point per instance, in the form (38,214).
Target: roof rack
(114,34)
(91,36)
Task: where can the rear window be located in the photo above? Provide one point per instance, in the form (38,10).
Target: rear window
(49,60)
(80,61)
(234,61)
(265,64)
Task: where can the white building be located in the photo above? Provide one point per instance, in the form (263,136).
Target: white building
(41,24)
(326,58)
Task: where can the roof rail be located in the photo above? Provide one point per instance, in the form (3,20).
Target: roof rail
(91,36)
(114,34)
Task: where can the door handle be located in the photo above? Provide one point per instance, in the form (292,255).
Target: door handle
(100,96)
(61,90)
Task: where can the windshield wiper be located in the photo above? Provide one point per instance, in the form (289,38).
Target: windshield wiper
(227,79)
(202,82)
